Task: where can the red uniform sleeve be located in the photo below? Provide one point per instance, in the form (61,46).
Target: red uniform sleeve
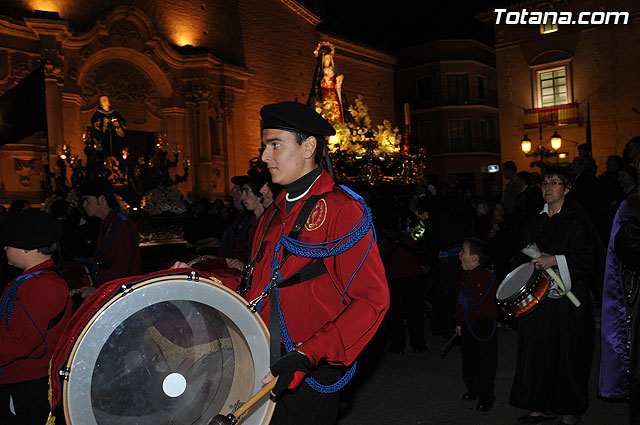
(367,296)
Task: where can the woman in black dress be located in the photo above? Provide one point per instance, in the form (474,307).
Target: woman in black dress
(556,340)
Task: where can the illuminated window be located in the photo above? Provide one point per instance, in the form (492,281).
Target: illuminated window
(552,86)
(548,27)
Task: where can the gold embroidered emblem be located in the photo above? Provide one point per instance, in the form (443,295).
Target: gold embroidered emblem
(317,216)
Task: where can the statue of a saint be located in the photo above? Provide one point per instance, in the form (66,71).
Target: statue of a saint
(110,126)
(327,85)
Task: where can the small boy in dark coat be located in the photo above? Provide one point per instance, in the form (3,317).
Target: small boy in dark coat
(476,316)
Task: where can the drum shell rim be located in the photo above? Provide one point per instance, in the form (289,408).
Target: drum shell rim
(505,303)
(510,298)
(124,291)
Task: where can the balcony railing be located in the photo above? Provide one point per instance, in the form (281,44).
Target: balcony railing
(551,115)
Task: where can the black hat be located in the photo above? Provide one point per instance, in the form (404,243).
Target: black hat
(296,117)
(240,180)
(254,178)
(96,187)
(30,229)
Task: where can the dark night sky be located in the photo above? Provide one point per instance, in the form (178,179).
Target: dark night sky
(400,23)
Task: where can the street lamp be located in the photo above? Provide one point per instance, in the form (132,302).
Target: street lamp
(541,151)
(525,144)
(556,141)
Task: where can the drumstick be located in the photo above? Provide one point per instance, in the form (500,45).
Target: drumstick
(445,349)
(534,252)
(253,400)
(232,418)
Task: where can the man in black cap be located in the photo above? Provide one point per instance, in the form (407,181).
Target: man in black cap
(117,254)
(331,317)
(331,306)
(34,310)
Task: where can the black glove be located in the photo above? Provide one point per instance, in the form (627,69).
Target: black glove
(291,370)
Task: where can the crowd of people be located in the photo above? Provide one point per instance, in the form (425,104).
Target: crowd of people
(444,252)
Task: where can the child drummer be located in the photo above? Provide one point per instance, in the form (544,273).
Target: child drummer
(34,310)
(476,317)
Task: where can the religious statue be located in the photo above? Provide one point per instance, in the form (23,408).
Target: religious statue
(327,85)
(110,126)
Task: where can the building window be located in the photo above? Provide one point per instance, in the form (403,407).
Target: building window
(548,27)
(424,88)
(484,135)
(458,88)
(553,88)
(428,137)
(481,87)
(460,135)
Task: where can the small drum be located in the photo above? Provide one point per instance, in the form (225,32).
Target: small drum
(522,290)
(164,349)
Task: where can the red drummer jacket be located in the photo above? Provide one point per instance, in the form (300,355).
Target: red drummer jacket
(313,311)
(45,298)
(118,248)
(483,295)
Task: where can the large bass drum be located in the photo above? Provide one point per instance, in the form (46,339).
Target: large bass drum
(172,348)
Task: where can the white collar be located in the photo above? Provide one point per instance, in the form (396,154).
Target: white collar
(303,193)
(545,210)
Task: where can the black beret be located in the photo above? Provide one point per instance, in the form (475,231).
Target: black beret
(254,178)
(30,229)
(96,187)
(295,117)
(240,180)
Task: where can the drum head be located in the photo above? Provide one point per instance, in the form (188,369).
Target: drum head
(515,282)
(170,351)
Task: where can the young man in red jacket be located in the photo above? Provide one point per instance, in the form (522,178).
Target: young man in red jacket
(34,310)
(333,307)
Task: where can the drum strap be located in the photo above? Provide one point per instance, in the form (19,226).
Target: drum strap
(308,272)
(247,273)
(362,228)
(465,300)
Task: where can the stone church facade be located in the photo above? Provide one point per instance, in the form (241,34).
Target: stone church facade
(206,98)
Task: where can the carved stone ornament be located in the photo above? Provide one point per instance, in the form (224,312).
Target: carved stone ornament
(53,69)
(227,100)
(120,80)
(196,90)
(19,71)
(25,168)
(86,52)
(123,32)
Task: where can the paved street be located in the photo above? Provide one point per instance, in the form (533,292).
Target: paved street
(421,388)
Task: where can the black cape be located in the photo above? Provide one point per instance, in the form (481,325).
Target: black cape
(556,341)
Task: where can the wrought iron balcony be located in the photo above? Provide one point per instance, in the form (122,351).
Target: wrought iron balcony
(551,115)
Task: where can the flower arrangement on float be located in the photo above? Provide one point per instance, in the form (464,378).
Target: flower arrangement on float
(362,152)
